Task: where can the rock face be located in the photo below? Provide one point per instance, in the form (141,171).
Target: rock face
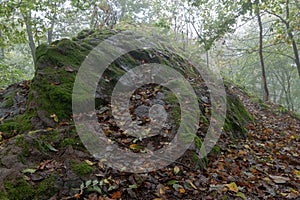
(37,130)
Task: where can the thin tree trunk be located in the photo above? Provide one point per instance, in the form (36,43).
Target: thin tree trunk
(50,31)
(93,18)
(2,54)
(291,106)
(261,57)
(291,36)
(27,19)
(286,22)
(207,59)
(2,49)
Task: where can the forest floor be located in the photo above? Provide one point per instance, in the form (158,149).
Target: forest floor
(265,165)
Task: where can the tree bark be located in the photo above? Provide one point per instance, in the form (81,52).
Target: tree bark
(27,19)
(291,36)
(261,57)
(2,48)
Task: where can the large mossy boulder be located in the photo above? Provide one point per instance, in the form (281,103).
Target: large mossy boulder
(38,125)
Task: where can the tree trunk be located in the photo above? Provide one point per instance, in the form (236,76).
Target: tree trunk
(93,24)
(2,53)
(291,36)
(27,19)
(2,48)
(261,57)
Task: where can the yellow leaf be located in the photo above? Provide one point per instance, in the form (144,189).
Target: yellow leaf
(292,137)
(284,194)
(54,117)
(297,173)
(133,146)
(161,191)
(193,186)
(176,170)
(166,188)
(242,153)
(181,190)
(90,163)
(232,187)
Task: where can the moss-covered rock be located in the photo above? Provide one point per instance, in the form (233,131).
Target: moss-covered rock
(41,127)
(237,117)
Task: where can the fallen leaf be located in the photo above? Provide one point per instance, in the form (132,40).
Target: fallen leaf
(116,195)
(161,191)
(69,69)
(176,170)
(297,173)
(193,186)
(31,171)
(54,117)
(133,186)
(242,153)
(172,182)
(241,195)
(279,179)
(232,187)
(50,147)
(90,163)
(77,196)
(181,190)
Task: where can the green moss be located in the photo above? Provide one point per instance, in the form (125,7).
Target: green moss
(19,190)
(8,101)
(21,142)
(81,168)
(175,107)
(8,126)
(69,142)
(46,188)
(202,162)
(216,151)
(236,117)
(23,122)
(41,50)
(3,196)
(22,190)
(204,119)
(20,124)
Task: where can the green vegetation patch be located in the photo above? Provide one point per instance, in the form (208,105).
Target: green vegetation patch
(236,117)
(21,189)
(82,168)
(20,124)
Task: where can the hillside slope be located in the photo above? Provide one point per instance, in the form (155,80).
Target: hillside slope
(42,156)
